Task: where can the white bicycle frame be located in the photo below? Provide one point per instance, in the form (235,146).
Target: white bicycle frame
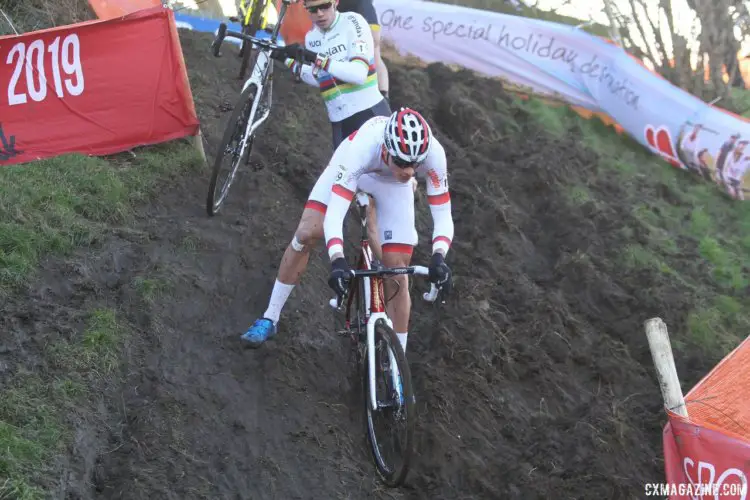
(258,77)
(372,318)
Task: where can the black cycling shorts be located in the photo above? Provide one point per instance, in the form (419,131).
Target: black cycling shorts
(364,8)
(342,129)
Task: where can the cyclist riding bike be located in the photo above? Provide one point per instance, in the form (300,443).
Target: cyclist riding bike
(367,10)
(380,159)
(338,58)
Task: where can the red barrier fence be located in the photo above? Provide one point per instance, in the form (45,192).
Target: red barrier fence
(702,463)
(99,87)
(706,440)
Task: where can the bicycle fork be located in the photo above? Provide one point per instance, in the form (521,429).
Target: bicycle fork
(371,364)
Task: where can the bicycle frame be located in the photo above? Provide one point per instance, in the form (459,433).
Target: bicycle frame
(262,72)
(374,302)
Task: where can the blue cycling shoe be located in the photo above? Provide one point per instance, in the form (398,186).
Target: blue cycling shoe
(262,330)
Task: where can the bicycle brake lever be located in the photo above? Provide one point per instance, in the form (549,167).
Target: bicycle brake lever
(432,295)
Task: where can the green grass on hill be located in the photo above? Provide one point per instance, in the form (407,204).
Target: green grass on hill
(59,204)
(52,207)
(685,231)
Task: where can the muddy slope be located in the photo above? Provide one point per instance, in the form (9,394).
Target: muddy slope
(533,382)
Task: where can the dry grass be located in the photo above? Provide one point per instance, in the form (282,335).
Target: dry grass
(32,15)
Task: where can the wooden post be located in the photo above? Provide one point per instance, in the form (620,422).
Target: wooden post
(198,142)
(661,353)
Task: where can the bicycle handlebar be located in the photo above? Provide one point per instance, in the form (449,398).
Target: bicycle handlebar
(430,296)
(381,271)
(223,32)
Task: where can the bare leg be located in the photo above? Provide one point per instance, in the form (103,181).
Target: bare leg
(398,306)
(309,232)
(372,230)
(294,262)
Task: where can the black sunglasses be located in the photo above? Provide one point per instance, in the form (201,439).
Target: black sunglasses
(316,8)
(403,164)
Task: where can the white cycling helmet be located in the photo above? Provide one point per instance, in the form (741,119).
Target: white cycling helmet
(407,137)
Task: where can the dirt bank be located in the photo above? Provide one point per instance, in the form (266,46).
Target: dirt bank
(533,382)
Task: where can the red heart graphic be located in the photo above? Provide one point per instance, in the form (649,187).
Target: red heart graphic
(665,142)
(662,143)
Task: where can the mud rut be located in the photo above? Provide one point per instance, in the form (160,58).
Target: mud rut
(533,383)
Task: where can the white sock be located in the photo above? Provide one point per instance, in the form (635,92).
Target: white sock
(402,339)
(278,298)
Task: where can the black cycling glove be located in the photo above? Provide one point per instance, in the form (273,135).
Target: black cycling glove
(279,54)
(440,273)
(299,53)
(340,275)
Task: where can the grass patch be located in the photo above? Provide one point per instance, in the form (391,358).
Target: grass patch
(33,408)
(150,289)
(720,325)
(680,229)
(52,207)
(56,205)
(579,195)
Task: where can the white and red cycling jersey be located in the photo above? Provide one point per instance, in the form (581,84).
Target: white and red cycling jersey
(359,163)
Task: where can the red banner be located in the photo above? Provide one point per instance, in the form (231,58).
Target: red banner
(94,88)
(702,464)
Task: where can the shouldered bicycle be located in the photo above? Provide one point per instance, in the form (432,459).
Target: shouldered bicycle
(384,370)
(250,111)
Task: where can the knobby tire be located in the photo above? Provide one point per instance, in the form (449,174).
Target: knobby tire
(242,108)
(397,476)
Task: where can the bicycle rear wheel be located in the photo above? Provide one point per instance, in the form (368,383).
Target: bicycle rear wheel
(395,411)
(231,143)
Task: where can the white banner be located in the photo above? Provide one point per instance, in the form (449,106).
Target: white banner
(562,61)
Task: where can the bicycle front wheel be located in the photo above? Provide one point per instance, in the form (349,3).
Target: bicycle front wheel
(231,148)
(395,415)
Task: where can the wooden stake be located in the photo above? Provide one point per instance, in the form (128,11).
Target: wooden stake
(661,353)
(198,142)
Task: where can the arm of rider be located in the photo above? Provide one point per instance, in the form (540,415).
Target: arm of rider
(342,193)
(355,70)
(288,54)
(305,73)
(439,200)
(361,53)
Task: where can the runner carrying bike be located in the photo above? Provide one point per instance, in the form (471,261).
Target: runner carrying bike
(380,159)
(339,59)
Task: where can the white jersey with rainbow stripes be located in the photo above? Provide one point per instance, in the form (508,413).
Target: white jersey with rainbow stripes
(348,39)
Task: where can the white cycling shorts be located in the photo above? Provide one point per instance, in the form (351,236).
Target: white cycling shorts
(394,207)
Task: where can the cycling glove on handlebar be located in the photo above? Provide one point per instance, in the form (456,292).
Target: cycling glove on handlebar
(340,275)
(440,273)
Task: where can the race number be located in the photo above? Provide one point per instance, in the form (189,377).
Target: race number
(29,77)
